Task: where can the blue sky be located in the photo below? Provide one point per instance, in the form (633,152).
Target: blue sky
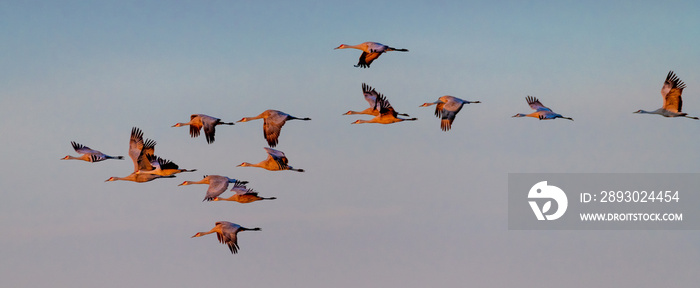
(380,205)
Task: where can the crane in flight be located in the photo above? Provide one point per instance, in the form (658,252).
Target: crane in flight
(671,93)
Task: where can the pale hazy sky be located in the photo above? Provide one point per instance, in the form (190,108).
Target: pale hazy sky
(401,205)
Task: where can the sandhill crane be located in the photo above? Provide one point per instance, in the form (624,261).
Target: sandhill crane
(227,233)
(387,114)
(447,108)
(371,97)
(217,185)
(164,167)
(370,51)
(139,151)
(272,124)
(275,161)
(541,112)
(88,154)
(671,92)
(243,195)
(197,121)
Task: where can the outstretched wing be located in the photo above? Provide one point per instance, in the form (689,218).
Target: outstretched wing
(449,112)
(217,186)
(195,125)
(536,104)
(160,163)
(370,94)
(243,190)
(671,92)
(82,149)
(148,149)
(228,236)
(278,157)
(209,125)
(438,109)
(135,146)
(383,105)
(367,58)
(272,127)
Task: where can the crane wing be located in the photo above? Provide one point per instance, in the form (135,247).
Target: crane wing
(148,149)
(160,163)
(83,149)
(135,146)
(242,190)
(278,157)
(671,92)
(230,239)
(367,58)
(536,104)
(195,125)
(272,126)
(383,105)
(439,107)
(217,186)
(370,94)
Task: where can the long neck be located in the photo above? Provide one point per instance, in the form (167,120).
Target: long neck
(657,111)
(360,121)
(200,234)
(368,111)
(184,124)
(69,157)
(358,46)
(203,181)
(246,164)
(246,119)
(131,177)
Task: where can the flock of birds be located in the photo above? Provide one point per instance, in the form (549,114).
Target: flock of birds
(148,166)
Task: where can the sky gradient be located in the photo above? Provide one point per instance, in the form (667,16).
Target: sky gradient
(401,205)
